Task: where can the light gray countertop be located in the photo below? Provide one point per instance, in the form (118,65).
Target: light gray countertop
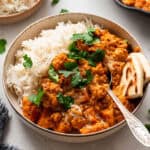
(137,24)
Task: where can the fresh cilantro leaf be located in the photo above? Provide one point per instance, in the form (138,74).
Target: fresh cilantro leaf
(148,127)
(53,74)
(96,40)
(91,31)
(79,82)
(91,62)
(87,38)
(72,47)
(54,2)
(74,55)
(65,101)
(70,65)
(62,11)
(83,54)
(66,73)
(98,55)
(3,43)
(89,76)
(76,80)
(27,61)
(37,98)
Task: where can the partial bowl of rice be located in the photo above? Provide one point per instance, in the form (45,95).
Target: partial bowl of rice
(12,11)
(55,76)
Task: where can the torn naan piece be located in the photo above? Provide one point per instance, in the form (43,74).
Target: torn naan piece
(132,80)
(145,65)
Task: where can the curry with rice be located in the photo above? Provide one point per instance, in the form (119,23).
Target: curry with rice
(72,96)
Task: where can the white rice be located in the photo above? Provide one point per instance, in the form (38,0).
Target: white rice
(42,50)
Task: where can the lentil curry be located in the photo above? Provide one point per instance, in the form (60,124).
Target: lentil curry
(72,97)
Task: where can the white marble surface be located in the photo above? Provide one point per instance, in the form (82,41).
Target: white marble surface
(138,24)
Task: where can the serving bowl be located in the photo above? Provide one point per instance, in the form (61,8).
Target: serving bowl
(16,17)
(119,2)
(33,30)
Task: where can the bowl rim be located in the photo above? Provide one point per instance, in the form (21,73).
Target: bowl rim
(48,130)
(131,7)
(13,15)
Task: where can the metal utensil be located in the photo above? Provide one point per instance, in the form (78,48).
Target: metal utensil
(135,125)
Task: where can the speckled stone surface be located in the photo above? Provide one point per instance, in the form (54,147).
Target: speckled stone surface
(136,23)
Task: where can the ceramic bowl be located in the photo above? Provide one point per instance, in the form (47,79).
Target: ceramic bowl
(16,17)
(32,31)
(119,2)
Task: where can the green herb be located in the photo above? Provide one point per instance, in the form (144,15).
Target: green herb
(53,74)
(92,58)
(3,43)
(89,76)
(70,65)
(66,101)
(79,82)
(66,73)
(27,61)
(96,40)
(54,2)
(72,47)
(76,80)
(74,55)
(62,11)
(37,98)
(87,37)
(148,127)
(96,57)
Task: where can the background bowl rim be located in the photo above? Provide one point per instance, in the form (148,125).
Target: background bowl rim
(48,130)
(13,15)
(131,7)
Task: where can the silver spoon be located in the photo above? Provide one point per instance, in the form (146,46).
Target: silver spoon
(135,125)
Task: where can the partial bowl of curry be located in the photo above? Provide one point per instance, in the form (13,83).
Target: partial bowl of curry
(64,95)
(136,5)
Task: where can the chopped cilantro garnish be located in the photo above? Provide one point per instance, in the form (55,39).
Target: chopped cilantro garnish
(62,11)
(92,58)
(79,82)
(54,2)
(87,37)
(66,73)
(3,43)
(37,98)
(65,101)
(27,61)
(72,47)
(70,65)
(96,57)
(89,76)
(53,74)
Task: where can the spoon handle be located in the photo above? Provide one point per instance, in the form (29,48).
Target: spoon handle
(136,126)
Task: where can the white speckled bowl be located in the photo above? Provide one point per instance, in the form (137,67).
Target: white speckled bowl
(16,17)
(32,31)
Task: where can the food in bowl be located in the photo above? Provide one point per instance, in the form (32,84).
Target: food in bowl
(15,6)
(141,4)
(61,78)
